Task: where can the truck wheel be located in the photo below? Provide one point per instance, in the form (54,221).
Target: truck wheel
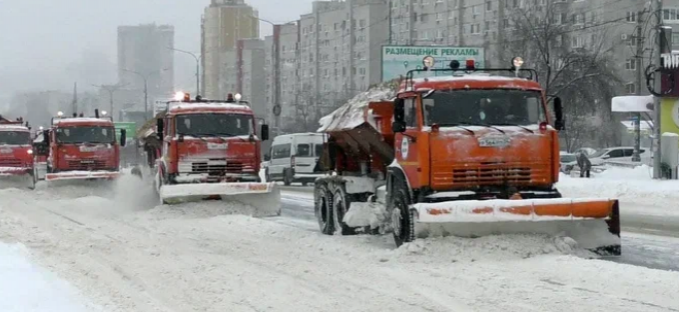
(404,222)
(266,175)
(287,177)
(341,203)
(323,210)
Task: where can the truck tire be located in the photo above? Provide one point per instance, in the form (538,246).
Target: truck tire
(341,202)
(404,222)
(323,209)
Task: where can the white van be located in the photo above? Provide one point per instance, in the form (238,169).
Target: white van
(293,158)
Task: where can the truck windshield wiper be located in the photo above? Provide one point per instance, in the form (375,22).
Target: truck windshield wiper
(459,125)
(490,126)
(515,125)
(219,136)
(193,135)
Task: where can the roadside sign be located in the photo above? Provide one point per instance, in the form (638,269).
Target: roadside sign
(130,128)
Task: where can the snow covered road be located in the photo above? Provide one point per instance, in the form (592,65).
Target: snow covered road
(125,256)
(658,249)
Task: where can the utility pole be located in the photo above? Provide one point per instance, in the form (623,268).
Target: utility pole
(110,89)
(352,52)
(197,67)
(638,57)
(657,172)
(74,103)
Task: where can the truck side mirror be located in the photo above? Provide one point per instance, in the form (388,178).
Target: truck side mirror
(123,137)
(559,123)
(159,128)
(267,157)
(46,136)
(265,132)
(399,124)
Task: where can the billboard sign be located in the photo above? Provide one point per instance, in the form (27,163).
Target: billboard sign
(398,60)
(160,105)
(130,128)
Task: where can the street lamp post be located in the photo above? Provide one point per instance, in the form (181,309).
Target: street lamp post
(276,71)
(110,90)
(146,89)
(197,67)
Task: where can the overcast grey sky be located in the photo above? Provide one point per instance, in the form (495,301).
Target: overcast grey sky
(47,44)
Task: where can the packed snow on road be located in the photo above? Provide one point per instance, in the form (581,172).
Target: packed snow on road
(117,250)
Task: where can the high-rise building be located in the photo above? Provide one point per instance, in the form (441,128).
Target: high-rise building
(251,78)
(145,54)
(224,23)
(327,57)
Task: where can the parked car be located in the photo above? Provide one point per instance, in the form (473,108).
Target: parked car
(568,161)
(612,153)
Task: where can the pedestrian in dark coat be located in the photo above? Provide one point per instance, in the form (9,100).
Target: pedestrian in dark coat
(584,164)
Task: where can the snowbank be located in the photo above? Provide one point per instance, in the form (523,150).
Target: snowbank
(634,187)
(27,288)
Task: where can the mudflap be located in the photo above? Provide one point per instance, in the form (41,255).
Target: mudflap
(593,223)
(264,197)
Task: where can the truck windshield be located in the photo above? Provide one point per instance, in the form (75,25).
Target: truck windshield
(214,124)
(483,107)
(15,137)
(70,135)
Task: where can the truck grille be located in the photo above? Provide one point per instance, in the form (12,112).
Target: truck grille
(487,174)
(10,163)
(216,166)
(87,164)
(483,175)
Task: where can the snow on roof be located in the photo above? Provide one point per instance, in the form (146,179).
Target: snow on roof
(351,114)
(192,105)
(472,76)
(12,128)
(82,120)
(631,103)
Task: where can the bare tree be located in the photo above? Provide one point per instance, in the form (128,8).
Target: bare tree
(572,63)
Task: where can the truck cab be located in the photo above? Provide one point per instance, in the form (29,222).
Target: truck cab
(16,152)
(209,141)
(480,132)
(82,148)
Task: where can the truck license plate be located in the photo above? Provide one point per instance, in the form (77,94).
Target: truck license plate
(213,146)
(6,150)
(494,141)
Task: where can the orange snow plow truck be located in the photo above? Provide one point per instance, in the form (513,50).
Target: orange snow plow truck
(210,150)
(16,152)
(82,148)
(460,151)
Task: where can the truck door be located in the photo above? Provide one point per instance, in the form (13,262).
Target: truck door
(406,147)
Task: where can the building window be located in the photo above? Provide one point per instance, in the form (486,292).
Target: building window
(671,15)
(631,17)
(631,88)
(631,64)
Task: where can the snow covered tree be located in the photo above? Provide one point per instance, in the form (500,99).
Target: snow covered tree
(571,57)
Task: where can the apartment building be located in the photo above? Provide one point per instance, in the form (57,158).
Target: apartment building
(328,56)
(607,25)
(145,57)
(251,79)
(223,24)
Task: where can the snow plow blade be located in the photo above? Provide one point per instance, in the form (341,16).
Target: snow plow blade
(82,175)
(264,197)
(593,223)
